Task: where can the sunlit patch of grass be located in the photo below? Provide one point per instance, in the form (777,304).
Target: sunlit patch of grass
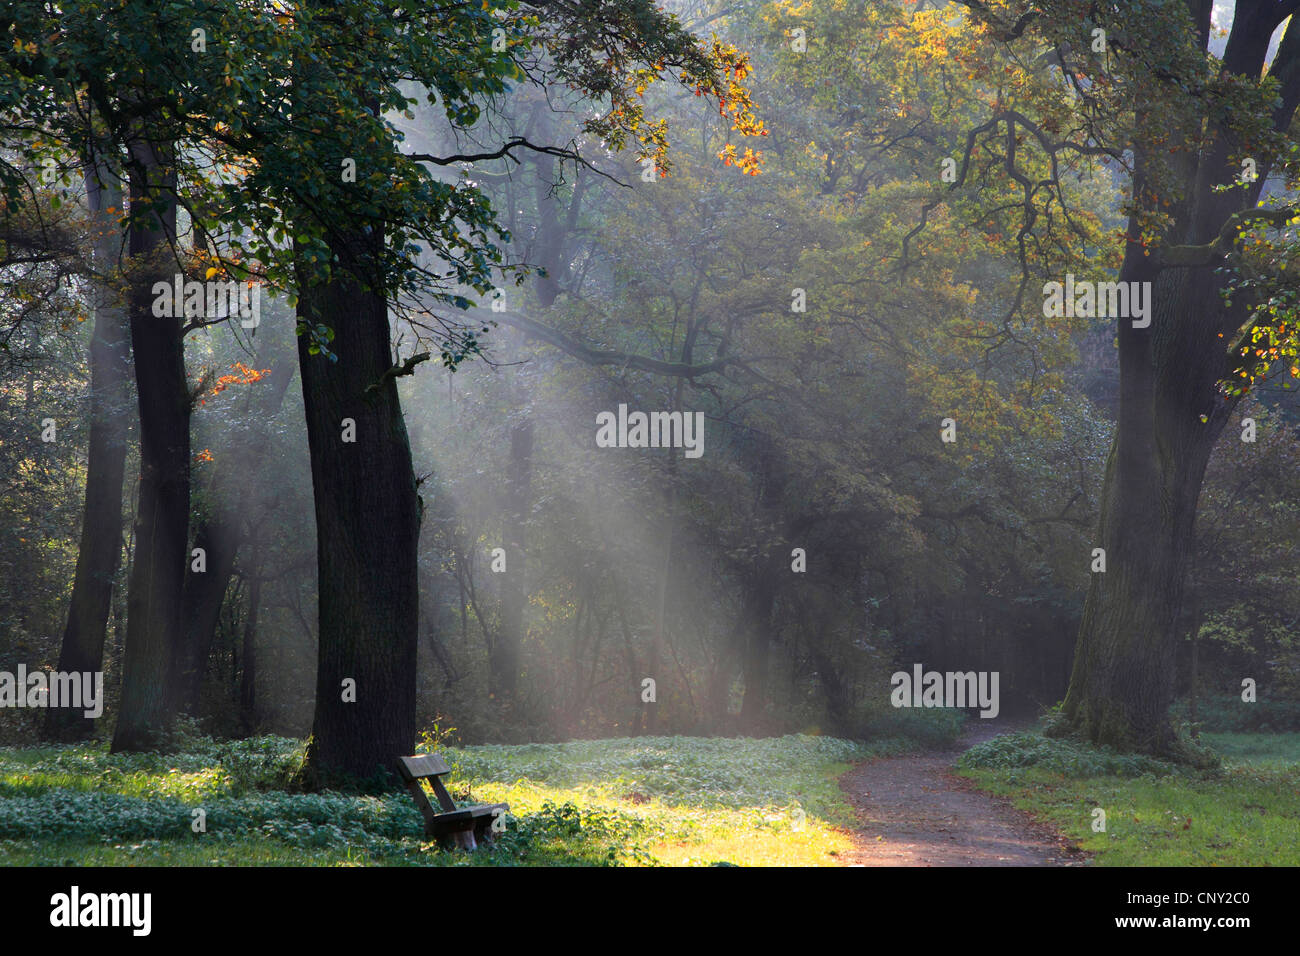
(765,839)
(209,781)
(683,771)
(666,832)
(636,801)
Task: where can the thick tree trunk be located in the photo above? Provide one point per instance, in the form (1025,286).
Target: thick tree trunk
(1122,683)
(367,529)
(1194,678)
(505,660)
(110,399)
(1171,412)
(162,523)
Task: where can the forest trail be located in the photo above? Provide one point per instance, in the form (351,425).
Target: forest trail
(914,811)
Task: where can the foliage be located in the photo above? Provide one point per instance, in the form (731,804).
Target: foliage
(1065,757)
(1156,815)
(620,802)
(1223,714)
(822,425)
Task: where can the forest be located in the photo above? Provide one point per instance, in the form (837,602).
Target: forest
(688,419)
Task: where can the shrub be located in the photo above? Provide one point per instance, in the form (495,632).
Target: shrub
(1229,714)
(1067,757)
(936,728)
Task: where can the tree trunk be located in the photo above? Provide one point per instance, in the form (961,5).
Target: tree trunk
(756,622)
(760,585)
(1195,676)
(1171,412)
(367,530)
(203,596)
(1122,683)
(629,654)
(248,662)
(725,664)
(505,660)
(162,523)
(650,709)
(100,550)
(218,534)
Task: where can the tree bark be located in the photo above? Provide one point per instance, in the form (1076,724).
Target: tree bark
(1171,413)
(248,661)
(204,594)
(100,550)
(162,523)
(1122,682)
(505,660)
(367,529)
(218,534)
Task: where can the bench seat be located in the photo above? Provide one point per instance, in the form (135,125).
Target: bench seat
(450,825)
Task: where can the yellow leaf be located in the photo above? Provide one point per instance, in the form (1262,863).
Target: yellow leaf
(210,273)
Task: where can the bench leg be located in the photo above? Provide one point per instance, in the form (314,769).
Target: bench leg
(458,840)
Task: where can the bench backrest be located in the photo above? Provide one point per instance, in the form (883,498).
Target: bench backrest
(428,767)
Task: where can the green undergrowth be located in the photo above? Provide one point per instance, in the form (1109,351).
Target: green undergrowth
(645,800)
(1245,812)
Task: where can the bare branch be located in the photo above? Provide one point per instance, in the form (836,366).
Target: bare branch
(591,356)
(406,368)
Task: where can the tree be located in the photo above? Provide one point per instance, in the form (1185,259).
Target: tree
(153,640)
(1198,133)
(367,507)
(218,529)
(100,548)
(69,68)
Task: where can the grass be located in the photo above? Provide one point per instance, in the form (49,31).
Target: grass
(1245,813)
(637,801)
(1273,750)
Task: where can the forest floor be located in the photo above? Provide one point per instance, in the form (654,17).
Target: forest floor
(915,811)
(1000,795)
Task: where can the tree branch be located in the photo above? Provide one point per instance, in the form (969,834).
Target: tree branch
(591,356)
(406,368)
(1202,255)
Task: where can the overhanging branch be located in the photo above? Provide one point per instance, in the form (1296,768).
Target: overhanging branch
(1203,255)
(593,356)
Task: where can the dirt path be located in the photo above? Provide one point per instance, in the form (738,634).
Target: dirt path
(915,812)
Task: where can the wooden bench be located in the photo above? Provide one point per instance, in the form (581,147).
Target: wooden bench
(464,827)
